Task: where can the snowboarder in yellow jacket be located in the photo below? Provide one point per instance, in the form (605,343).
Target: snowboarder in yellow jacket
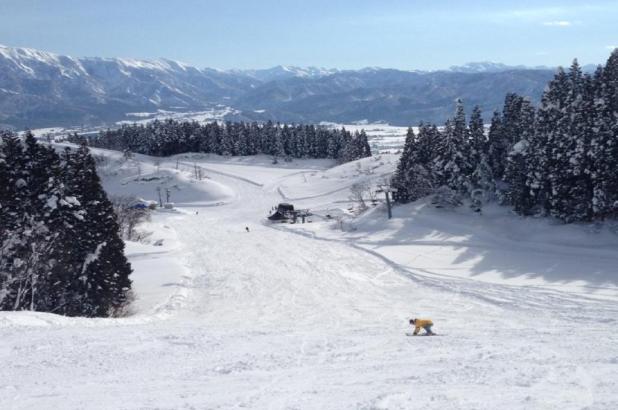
(422,323)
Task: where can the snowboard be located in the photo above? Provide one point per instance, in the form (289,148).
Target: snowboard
(433,334)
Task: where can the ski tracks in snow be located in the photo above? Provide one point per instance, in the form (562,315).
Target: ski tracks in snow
(328,302)
(273,319)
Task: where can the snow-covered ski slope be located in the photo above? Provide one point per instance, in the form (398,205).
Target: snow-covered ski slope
(315,317)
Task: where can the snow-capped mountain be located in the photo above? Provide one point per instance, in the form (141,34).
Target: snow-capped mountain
(39,89)
(489,67)
(282,71)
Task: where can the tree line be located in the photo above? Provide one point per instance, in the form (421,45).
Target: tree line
(559,159)
(60,251)
(169,137)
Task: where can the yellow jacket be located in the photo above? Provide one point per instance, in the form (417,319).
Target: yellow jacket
(419,323)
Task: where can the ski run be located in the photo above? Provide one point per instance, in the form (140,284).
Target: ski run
(315,315)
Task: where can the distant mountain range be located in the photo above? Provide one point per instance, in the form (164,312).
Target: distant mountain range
(39,89)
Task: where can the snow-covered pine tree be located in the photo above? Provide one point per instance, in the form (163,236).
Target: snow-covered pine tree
(351,149)
(482,185)
(610,80)
(62,217)
(451,165)
(363,145)
(310,143)
(549,131)
(278,150)
(103,281)
(333,146)
(419,181)
(37,217)
(511,119)
(478,143)
(413,178)
(516,192)
(504,133)
(323,137)
(7,183)
(286,136)
(11,163)
(163,138)
(427,141)
(461,135)
(226,146)
(399,180)
(297,142)
(603,154)
(583,112)
(496,146)
(29,288)
(210,137)
(238,139)
(568,93)
(604,149)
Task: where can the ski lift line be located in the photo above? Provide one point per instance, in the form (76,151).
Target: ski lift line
(225,174)
(287,198)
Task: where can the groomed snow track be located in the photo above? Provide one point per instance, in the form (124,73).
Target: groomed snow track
(275,318)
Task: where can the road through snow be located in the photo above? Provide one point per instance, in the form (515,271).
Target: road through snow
(270,319)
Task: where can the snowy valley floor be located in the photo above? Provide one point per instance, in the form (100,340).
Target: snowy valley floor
(314,317)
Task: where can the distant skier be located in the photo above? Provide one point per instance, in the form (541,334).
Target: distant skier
(422,323)
(247,228)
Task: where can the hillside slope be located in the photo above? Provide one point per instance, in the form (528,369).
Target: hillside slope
(309,316)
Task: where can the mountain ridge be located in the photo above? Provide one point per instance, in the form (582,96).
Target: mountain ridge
(39,88)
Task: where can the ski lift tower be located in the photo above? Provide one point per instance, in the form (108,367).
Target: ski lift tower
(387,189)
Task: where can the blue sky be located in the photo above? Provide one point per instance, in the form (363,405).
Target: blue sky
(411,34)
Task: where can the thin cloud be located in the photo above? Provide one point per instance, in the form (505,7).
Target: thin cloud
(611,47)
(558,23)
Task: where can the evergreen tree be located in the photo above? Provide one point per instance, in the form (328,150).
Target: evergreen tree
(11,196)
(604,144)
(603,153)
(278,150)
(452,165)
(406,162)
(496,146)
(29,253)
(482,183)
(477,136)
(517,193)
(163,138)
(560,160)
(563,141)
(363,145)
(580,166)
(428,140)
(104,273)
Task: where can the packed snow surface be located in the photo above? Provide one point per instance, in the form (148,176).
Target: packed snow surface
(314,316)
